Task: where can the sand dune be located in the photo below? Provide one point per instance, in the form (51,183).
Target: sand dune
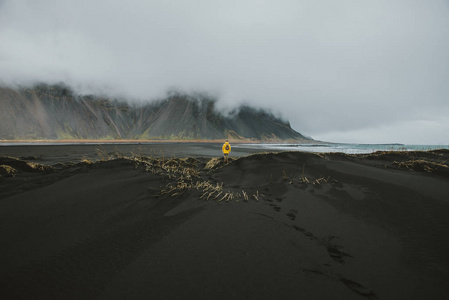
(284,225)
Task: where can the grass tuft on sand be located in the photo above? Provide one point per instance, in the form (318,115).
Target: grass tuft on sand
(40,167)
(11,166)
(7,171)
(422,165)
(214,163)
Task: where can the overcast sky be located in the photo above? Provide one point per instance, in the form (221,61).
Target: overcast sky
(362,71)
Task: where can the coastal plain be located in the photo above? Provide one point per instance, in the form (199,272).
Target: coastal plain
(172,221)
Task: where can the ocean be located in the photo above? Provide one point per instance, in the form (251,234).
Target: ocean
(343,148)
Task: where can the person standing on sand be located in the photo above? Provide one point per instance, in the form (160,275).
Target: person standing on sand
(226,149)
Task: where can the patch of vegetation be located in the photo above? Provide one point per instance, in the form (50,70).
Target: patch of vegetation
(217,162)
(40,167)
(174,168)
(210,191)
(64,133)
(184,174)
(20,165)
(86,161)
(214,163)
(304,180)
(422,165)
(7,171)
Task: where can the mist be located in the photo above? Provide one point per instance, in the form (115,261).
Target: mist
(342,71)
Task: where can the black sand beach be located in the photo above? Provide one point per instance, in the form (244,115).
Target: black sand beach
(168,221)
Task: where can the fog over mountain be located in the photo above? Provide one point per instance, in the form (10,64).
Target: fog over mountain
(350,71)
(56,112)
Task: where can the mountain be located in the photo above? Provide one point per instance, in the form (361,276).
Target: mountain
(57,112)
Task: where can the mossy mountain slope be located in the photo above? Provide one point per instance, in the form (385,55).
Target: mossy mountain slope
(56,112)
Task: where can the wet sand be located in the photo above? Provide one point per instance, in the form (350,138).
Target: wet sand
(51,154)
(284,225)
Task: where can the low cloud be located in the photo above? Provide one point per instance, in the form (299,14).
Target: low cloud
(340,71)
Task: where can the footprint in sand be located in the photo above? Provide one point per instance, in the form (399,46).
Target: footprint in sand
(277,208)
(337,184)
(334,250)
(352,285)
(306,233)
(313,272)
(337,254)
(358,288)
(292,214)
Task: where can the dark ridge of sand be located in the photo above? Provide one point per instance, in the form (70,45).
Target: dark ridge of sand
(314,226)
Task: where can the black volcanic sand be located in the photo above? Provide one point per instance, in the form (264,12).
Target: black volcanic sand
(314,226)
(52,154)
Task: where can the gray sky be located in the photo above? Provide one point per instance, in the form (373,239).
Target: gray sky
(363,71)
